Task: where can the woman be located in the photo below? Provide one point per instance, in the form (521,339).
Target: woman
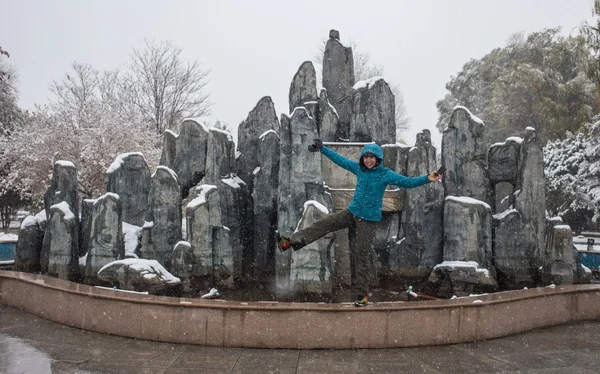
(364,210)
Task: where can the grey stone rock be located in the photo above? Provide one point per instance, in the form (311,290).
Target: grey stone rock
(60,249)
(164,202)
(304,86)
(461,279)
(421,247)
(530,195)
(464,152)
(514,248)
(85,226)
(169,149)
(503,161)
(300,180)
(29,244)
(560,259)
(468,231)
(106,236)
(129,177)
(139,275)
(260,120)
(232,193)
(182,264)
(386,238)
(311,267)
(338,78)
(266,182)
(328,120)
(63,187)
(220,156)
(190,160)
(373,116)
(209,239)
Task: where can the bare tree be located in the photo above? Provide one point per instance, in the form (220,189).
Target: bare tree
(164,88)
(363,70)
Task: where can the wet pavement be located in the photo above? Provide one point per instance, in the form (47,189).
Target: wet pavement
(29,344)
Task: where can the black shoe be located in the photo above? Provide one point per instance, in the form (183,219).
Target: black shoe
(362,301)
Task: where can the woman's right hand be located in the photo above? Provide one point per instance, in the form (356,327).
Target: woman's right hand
(316,146)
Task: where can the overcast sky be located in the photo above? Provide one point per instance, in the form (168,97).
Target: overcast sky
(254,47)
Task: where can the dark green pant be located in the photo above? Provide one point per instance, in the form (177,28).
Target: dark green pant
(360,247)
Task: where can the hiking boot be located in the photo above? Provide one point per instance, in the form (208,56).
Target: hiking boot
(361,301)
(284,243)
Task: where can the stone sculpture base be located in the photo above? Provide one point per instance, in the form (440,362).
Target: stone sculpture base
(297,325)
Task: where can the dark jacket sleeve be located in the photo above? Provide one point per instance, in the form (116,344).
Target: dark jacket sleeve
(351,166)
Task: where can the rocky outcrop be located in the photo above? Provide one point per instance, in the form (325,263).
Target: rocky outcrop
(468,231)
(60,249)
(373,116)
(514,249)
(463,278)
(468,258)
(421,248)
(328,120)
(260,120)
(129,177)
(169,149)
(105,236)
(190,158)
(141,276)
(209,239)
(300,180)
(220,156)
(63,187)
(464,151)
(266,182)
(311,267)
(304,86)
(530,195)
(338,79)
(559,258)
(182,264)
(232,197)
(29,243)
(164,213)
(503,161)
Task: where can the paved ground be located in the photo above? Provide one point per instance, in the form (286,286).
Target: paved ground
(29,344)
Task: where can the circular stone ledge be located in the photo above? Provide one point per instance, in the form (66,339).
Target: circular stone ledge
(297,325)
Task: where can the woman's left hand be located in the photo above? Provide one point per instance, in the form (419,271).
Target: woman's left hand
(434,176)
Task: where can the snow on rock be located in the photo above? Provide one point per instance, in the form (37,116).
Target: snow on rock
(131,234)
(366,83)
(120,160)
(67,164)
(8,238)
(471,115)
(135,274)
(64,208)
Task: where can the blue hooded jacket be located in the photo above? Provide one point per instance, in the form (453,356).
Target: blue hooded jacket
(371,183)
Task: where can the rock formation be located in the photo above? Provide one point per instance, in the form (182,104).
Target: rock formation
(129,177)
(105,235)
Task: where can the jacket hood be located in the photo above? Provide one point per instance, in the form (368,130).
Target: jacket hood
(374,149)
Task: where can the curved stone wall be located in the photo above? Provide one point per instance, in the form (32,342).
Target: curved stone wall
(297,325)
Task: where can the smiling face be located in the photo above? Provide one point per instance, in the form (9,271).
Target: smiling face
(369,160)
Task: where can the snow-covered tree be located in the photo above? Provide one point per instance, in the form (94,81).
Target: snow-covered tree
(85,124)
(10,114)
(572,169)
(538,81)
(164,88)
(592,38)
